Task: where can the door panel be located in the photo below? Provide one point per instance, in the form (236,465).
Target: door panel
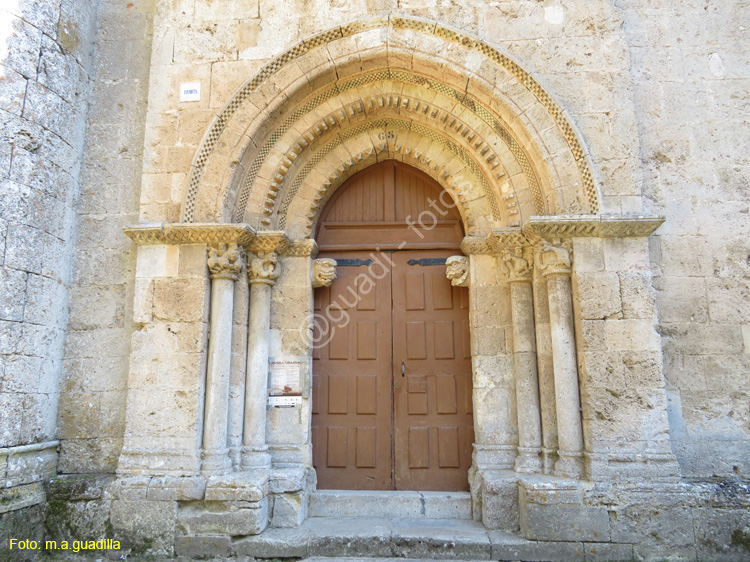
(433,423)
(352,402)
(373,428)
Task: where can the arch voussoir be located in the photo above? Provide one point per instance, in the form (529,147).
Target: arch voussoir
(434,84)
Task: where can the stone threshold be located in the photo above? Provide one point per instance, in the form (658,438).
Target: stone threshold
(390,504)
(435,539)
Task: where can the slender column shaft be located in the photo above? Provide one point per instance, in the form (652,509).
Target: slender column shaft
(555,264)
(527,382)
(224,264)
(569,429)
(546,375)
(263,273)
(519,263)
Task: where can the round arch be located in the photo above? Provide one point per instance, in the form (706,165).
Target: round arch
(468,115)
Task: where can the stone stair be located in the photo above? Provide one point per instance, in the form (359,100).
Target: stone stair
(390,504)
(384,526)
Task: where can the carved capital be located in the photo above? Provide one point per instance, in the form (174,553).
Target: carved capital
(519,262)
(324,272)
(457,270)
(263,268)
(554,259)
(225,261)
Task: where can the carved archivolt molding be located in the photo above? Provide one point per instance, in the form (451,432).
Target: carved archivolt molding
(406,147)
(475,136)
(457,270)
(286,73)
(324,272)
(225,261)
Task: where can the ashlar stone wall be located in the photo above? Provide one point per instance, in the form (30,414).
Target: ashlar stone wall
(97,350)
(690,80)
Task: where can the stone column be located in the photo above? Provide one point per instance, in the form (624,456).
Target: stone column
(519,262)
(224,265)
(262,271)
(546,373)
(555,264)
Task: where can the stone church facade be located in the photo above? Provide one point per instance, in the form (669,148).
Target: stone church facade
(191,189)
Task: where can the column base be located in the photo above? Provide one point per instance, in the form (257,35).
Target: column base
(255,458)
(569,465)
(215,462)
(529,460)
(549,458)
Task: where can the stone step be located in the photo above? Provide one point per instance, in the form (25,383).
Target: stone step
(346,539)
(390,504)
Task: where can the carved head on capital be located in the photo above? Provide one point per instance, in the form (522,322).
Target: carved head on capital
(457,270)
(263,268)
(324,272)
(225,261)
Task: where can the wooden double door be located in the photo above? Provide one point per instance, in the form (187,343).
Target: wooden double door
(392,386)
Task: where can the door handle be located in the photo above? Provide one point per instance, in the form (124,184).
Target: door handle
(403,369)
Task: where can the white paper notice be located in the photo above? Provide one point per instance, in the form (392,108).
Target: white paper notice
(285,378)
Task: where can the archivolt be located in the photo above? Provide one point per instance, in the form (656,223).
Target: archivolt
(225,144)
(394,100)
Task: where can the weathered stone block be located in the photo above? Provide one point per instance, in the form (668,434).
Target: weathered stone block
(513,548)
(205,546)
(176,488)
(289,510)
(722,534)
(598,295)
(499,502)
(274,543)
(181,300)
(248,486)
(463,540)
(144,525)
(223,518)
(564,522)
(606,552)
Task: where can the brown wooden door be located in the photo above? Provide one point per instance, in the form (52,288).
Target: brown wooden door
(433,419)
(352,396)
(371,427)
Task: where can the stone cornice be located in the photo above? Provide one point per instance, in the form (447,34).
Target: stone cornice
(601,226)
(191,233)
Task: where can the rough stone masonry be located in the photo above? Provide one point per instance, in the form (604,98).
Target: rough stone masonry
(157,250)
